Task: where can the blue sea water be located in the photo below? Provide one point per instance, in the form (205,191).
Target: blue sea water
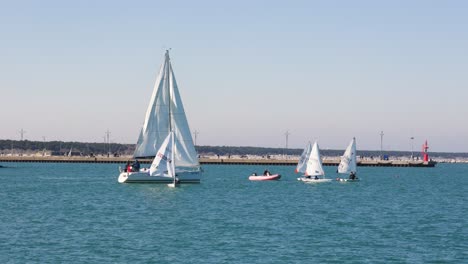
(78,213)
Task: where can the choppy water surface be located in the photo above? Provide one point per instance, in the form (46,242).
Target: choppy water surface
(78,213)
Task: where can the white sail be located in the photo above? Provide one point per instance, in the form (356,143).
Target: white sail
(165,113)
(348,160)
(302,164)
(314,163)
(163,162)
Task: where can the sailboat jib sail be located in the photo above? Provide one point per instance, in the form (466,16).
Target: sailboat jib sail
(166,112)
(162,163)
(348,160)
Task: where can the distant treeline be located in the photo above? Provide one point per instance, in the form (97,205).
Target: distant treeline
(61,148)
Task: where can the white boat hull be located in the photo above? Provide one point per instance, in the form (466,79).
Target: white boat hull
(144,177)
(312,180)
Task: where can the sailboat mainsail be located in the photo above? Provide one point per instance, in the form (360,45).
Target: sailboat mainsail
(348,160)
(165,113)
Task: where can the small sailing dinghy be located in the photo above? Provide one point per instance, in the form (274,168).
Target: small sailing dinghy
(348,163)
(311,165)
(165,136)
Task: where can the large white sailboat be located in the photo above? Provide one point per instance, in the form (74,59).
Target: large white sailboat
(310,164)
(348,163)
(165,136)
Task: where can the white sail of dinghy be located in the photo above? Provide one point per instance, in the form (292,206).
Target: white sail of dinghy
(314,164)
(348,163)
(165,113)
(348,160)
(302,164)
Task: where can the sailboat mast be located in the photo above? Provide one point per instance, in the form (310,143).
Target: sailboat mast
(173,156)
(168,88)
(170,95)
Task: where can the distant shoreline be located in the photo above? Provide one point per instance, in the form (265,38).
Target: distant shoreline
(61,148)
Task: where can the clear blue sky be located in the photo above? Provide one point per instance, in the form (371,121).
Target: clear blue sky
(247,70)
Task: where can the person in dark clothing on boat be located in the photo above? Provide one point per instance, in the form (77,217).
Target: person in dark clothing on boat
(136,165)
(266,172)
(316,177)
(352,176)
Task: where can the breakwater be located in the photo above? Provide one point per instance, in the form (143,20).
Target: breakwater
(290,162)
